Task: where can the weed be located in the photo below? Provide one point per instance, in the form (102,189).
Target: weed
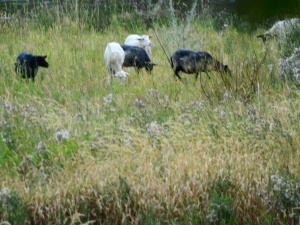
(14,210)
(286,196)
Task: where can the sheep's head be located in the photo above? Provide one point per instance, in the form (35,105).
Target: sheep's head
(149,66)
(41,61)
(121,76)
(145,41)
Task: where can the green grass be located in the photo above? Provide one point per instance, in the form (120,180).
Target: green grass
(162,151)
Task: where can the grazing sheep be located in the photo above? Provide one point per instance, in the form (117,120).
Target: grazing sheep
(142,41)
(281,29)
(28,64)
(137,57)
(190,62)
(114,57)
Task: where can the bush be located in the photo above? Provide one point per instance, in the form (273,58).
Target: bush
(289,67)
(12,208)
(286,195)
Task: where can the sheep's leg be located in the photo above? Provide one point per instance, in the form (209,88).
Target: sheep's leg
(109,75)
(32,75)
(27,73)
(207,74)
(138,70)
(196,77)
(23,72)
(177,74)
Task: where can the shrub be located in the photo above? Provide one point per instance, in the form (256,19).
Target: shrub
(12,207)
(289,67)
(221,209)
(286,195)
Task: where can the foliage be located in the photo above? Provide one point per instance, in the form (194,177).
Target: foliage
(13,209)
(221,209)
(286,196)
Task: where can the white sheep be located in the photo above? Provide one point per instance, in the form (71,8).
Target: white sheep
(114,57)
(142,41)
(281,29)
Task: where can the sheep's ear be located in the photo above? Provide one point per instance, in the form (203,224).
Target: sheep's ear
(127,74)
(226,68)
(150,36)
(154,64)
(44,56)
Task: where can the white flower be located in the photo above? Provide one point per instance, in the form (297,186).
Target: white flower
(154,129)
(139,103)
(198,105)
(41,147)
(4,194)
(274,178)
(62,135)
(212,216)
(270,67)
(108,99)
(128,139)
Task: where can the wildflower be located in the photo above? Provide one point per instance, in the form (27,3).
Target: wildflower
(4,194)
(25,164)
(274,178)
(6,106)
(133,116)
(183,118)
(154,129)
(223,114)
(153,93)
(139,103)
(108,99)
(128,139)
(198,105)
(212,216)
(62,135)
(41,147)
(252,114)
(112,109)
(4,124)
(226,96)
(166,97)
(270,67)
(269,125)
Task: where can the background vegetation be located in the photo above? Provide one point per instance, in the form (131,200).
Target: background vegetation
(156,150)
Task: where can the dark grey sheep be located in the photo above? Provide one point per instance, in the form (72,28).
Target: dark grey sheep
(27,64)
(137,57)
(190,62)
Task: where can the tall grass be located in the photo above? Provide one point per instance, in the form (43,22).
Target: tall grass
(156,150)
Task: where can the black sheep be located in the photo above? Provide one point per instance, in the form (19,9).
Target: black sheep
(137,57)
(191,62)
(27,64)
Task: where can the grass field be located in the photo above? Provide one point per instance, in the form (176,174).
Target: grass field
(74,150)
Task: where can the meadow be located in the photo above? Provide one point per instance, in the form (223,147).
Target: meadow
(74,150)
